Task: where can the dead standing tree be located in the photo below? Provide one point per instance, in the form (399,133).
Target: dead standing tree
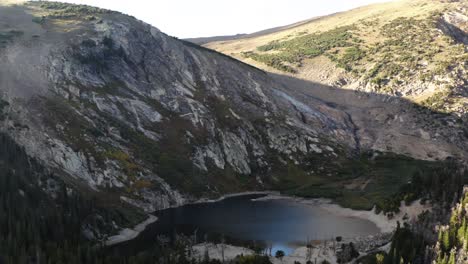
(309,250)
(223,247)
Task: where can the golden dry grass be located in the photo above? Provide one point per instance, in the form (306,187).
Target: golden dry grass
(383,13)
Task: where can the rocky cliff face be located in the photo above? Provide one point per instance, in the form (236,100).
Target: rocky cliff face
(119,107)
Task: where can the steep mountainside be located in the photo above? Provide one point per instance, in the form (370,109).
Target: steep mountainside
(118,106)
(412,50)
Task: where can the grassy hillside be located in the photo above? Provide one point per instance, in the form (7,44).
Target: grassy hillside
(400,48)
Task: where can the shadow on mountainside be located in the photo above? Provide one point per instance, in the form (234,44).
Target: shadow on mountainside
(382,122)
(388,123)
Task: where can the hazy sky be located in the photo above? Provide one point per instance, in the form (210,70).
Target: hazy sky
(202,18)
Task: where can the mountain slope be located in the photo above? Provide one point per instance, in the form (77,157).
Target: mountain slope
(121,107)
(412,50)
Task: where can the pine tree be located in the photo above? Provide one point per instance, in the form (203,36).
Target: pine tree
(446,245)
(397,255)
(452,257)
(442,259)
(461,231)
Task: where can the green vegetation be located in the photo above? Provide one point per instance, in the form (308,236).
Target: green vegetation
(454,236)
(58,10)
(383,180)
(70,7)
(288,54)
(277,61)
(411,49)
(437,101)
(407,247)
(350,56)
(402,53)
(312,45)
(374,258)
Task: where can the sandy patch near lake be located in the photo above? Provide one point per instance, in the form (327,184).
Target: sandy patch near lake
(385,224)
(128,234)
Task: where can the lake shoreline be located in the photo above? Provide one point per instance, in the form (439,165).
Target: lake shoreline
(385,224)
(324,251)
(127,234)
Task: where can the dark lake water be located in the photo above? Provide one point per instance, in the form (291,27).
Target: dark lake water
(284,224)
